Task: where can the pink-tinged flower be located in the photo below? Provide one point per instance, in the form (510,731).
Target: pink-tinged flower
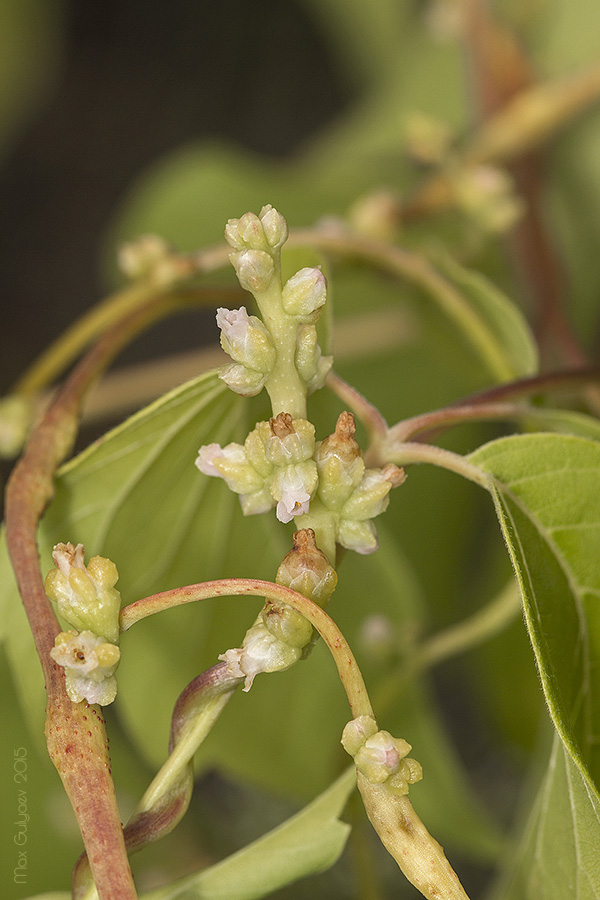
(293,488)
(246,339)
(206,457)
(292,504)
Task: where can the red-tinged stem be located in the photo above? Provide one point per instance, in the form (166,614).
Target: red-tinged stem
(347,666)
(75,732)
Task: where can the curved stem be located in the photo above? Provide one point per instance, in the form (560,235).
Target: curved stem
(406,453)
(349,672)
(416,269)
(75,732)
(106,314)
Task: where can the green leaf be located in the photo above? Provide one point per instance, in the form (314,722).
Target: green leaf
(558,853)
(512,351)
(547,493)
(309,842)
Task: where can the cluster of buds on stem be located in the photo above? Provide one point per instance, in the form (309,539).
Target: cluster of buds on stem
(280,465)
(379,757)
(281,351)
(87,599)
(281,636)
(274,467)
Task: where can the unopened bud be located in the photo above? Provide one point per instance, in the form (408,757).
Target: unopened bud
(356,733)
(242,380)
(339,463)
(268,231)
(274,226)
(246,339)
(292,440)
(287,624)
(254,269)
(307,570)
(370,498)
(304,294)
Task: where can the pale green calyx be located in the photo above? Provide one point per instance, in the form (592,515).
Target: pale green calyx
(310,363)
(304,294)
(249,344)
(89,663)
(307,570)
(379,757)
(254,269)
(86,596)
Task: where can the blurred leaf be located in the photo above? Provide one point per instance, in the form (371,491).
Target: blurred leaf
(31,44)
(557,856)
(514,349)
(309,842)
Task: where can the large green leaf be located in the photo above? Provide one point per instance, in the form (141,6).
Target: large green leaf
(547,493)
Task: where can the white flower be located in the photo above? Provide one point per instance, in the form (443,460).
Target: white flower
(292,505)
(293,488)
(90,663)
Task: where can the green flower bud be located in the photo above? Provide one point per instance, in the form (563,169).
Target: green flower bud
(255,447)
(90,663)
(268,231)
(370,498)
(274,226)
(380,756)
(358,536)
(86,597)
(339,463)
(246,339)
(356,733)
(291,440)
(311,366)
(287,624)
(254,269)
(244,381)
(304,294)
(307,570)
(151,257)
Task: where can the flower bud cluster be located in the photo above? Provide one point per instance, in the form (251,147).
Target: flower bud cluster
(352,494)
(151,258)
(280,465)
(290,311)
(487,196)
(381,758)
(87,599)
(281,635)
(274,467)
